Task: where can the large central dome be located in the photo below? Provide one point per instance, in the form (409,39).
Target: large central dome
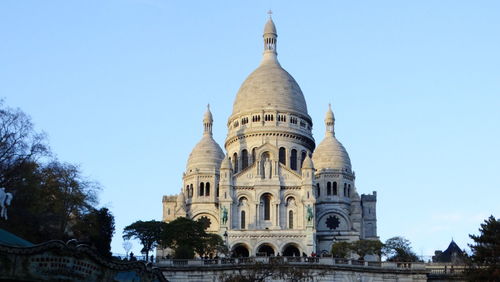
(270,87)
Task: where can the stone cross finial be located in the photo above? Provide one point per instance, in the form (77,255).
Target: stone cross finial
(270,13)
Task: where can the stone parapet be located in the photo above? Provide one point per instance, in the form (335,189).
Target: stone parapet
(317,268)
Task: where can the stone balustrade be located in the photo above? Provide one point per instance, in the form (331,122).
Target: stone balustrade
(326,261)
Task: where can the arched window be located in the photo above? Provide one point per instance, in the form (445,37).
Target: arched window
(187,191)
(349,190)
(318,190)
(235,162)
(290,219)
(217,190)
(293,159)
(302,158)
(190,190)
(345,189)
(328,188)
(267,207)
(244,159)
(207,189)
(282,155)
(242,219)
(201,192)
(335,191)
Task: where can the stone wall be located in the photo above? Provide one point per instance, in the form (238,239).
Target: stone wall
(282,269)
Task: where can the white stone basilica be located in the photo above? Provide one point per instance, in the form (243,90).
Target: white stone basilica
(273,192)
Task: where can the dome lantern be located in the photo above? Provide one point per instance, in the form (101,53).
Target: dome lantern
(330,121)
(207,121)
(270,41)
(270,35)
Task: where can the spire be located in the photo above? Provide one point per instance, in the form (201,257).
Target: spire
(330,121)
(207,121)
(270,39)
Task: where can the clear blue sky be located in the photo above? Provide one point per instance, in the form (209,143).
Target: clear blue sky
(120,87)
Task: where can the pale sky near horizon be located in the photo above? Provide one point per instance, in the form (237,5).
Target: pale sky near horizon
(120,87)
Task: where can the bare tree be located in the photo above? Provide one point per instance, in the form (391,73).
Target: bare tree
(19,143)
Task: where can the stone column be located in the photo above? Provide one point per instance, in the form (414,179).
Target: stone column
(277,223)
(257,219)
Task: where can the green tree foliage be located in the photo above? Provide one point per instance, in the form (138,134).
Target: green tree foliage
(366,247)
(184,232)
(184,252)
(361,247)
(51,198)
(51,201)
(214,244)
(183,235)
(341,249)
(147,232)
(399,249)
(70,195)
(97,228)
(188,234)
(485,259)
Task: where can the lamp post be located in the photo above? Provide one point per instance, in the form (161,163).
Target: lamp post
(225,239)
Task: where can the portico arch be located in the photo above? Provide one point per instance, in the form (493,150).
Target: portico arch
(291,250)
(240,250)
(266,249)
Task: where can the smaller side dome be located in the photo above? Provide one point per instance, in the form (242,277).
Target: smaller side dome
(207,154)
(330,153)
(308,163)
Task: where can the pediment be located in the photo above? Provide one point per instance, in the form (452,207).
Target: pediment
(250,177)
(289,177)
(247,176)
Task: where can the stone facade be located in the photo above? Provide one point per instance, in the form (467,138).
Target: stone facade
(273,191)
